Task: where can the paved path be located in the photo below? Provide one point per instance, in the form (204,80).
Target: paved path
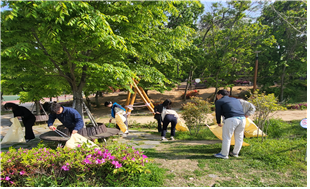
(138,139)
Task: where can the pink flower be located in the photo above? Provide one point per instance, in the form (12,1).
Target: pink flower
(11,182)
(118,165)
(111,157)
(65,168)
(9,160)
(133,159)
(1,178)
(102,160)
(7,178)
(124,158)
(88,156)
(87,161)
(133,148)
(97,161)
(78,145)
(144,156)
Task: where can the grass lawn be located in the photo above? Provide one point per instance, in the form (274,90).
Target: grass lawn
(279,161)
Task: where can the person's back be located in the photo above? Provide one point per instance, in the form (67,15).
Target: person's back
(229,107)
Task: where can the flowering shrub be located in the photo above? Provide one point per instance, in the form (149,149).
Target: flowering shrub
(190,94)
(301,106)
(20,166)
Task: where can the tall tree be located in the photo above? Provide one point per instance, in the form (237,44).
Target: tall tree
(287,59)
(107,43)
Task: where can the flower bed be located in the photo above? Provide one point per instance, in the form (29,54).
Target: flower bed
(22,166)
(190,94)
(301,106)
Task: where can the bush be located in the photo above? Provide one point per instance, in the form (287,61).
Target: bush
(300,106)
(47,167)
(195,114)
(265,105)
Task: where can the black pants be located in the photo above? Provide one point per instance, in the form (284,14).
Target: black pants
(28,123)
(169,118)
(159,120)
(126,123)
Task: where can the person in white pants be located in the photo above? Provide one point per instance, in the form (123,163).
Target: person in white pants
(234,123)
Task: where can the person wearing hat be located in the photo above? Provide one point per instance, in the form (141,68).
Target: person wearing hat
(234,122)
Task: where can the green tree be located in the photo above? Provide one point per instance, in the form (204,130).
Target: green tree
(286,61)
(107,43)
(228,40)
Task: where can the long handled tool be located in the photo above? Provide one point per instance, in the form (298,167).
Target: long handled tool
(64,135)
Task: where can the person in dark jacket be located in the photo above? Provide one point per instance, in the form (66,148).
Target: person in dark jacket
(69,117)
(158,110)
(27,117)
(234,123)
(118,109)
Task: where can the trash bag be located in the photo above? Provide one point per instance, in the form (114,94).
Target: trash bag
(120,122)
(217,131)
(181,126)
(15,133)
(251,129)
(214,119)
(77,139)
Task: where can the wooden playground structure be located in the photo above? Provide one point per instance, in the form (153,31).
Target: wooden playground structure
(130,100)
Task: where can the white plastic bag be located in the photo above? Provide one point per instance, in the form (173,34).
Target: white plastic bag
(77,139)
(15,133)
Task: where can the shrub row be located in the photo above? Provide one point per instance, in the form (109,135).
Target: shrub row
(22,167)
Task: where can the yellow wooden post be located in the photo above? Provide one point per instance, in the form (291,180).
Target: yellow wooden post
(128,98)
(146,97)
(144,100)
(132,102)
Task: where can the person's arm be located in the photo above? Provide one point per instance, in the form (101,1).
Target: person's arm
(51,120)
(79,124)
(218,111)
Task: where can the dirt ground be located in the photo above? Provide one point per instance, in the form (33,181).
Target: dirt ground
(175,96)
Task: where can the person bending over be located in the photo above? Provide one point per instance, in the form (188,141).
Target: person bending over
(118,109)
(169,116)
(28,118)
(234,122)
(69,117)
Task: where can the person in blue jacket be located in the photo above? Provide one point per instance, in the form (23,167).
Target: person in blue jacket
(117,109)
(234,123)
(69,117)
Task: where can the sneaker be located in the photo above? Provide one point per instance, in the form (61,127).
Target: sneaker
(172,138)
(219,155)
(233,154)
(164,139)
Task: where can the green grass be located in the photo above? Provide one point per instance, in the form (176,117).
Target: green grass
(278,161)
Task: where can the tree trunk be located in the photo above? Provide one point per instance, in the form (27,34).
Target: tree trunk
(282,82)
(97,99)
(78,97)
(37,103)
(216,87)
(187,84)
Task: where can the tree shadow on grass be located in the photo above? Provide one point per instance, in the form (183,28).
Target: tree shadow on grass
(185,152)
